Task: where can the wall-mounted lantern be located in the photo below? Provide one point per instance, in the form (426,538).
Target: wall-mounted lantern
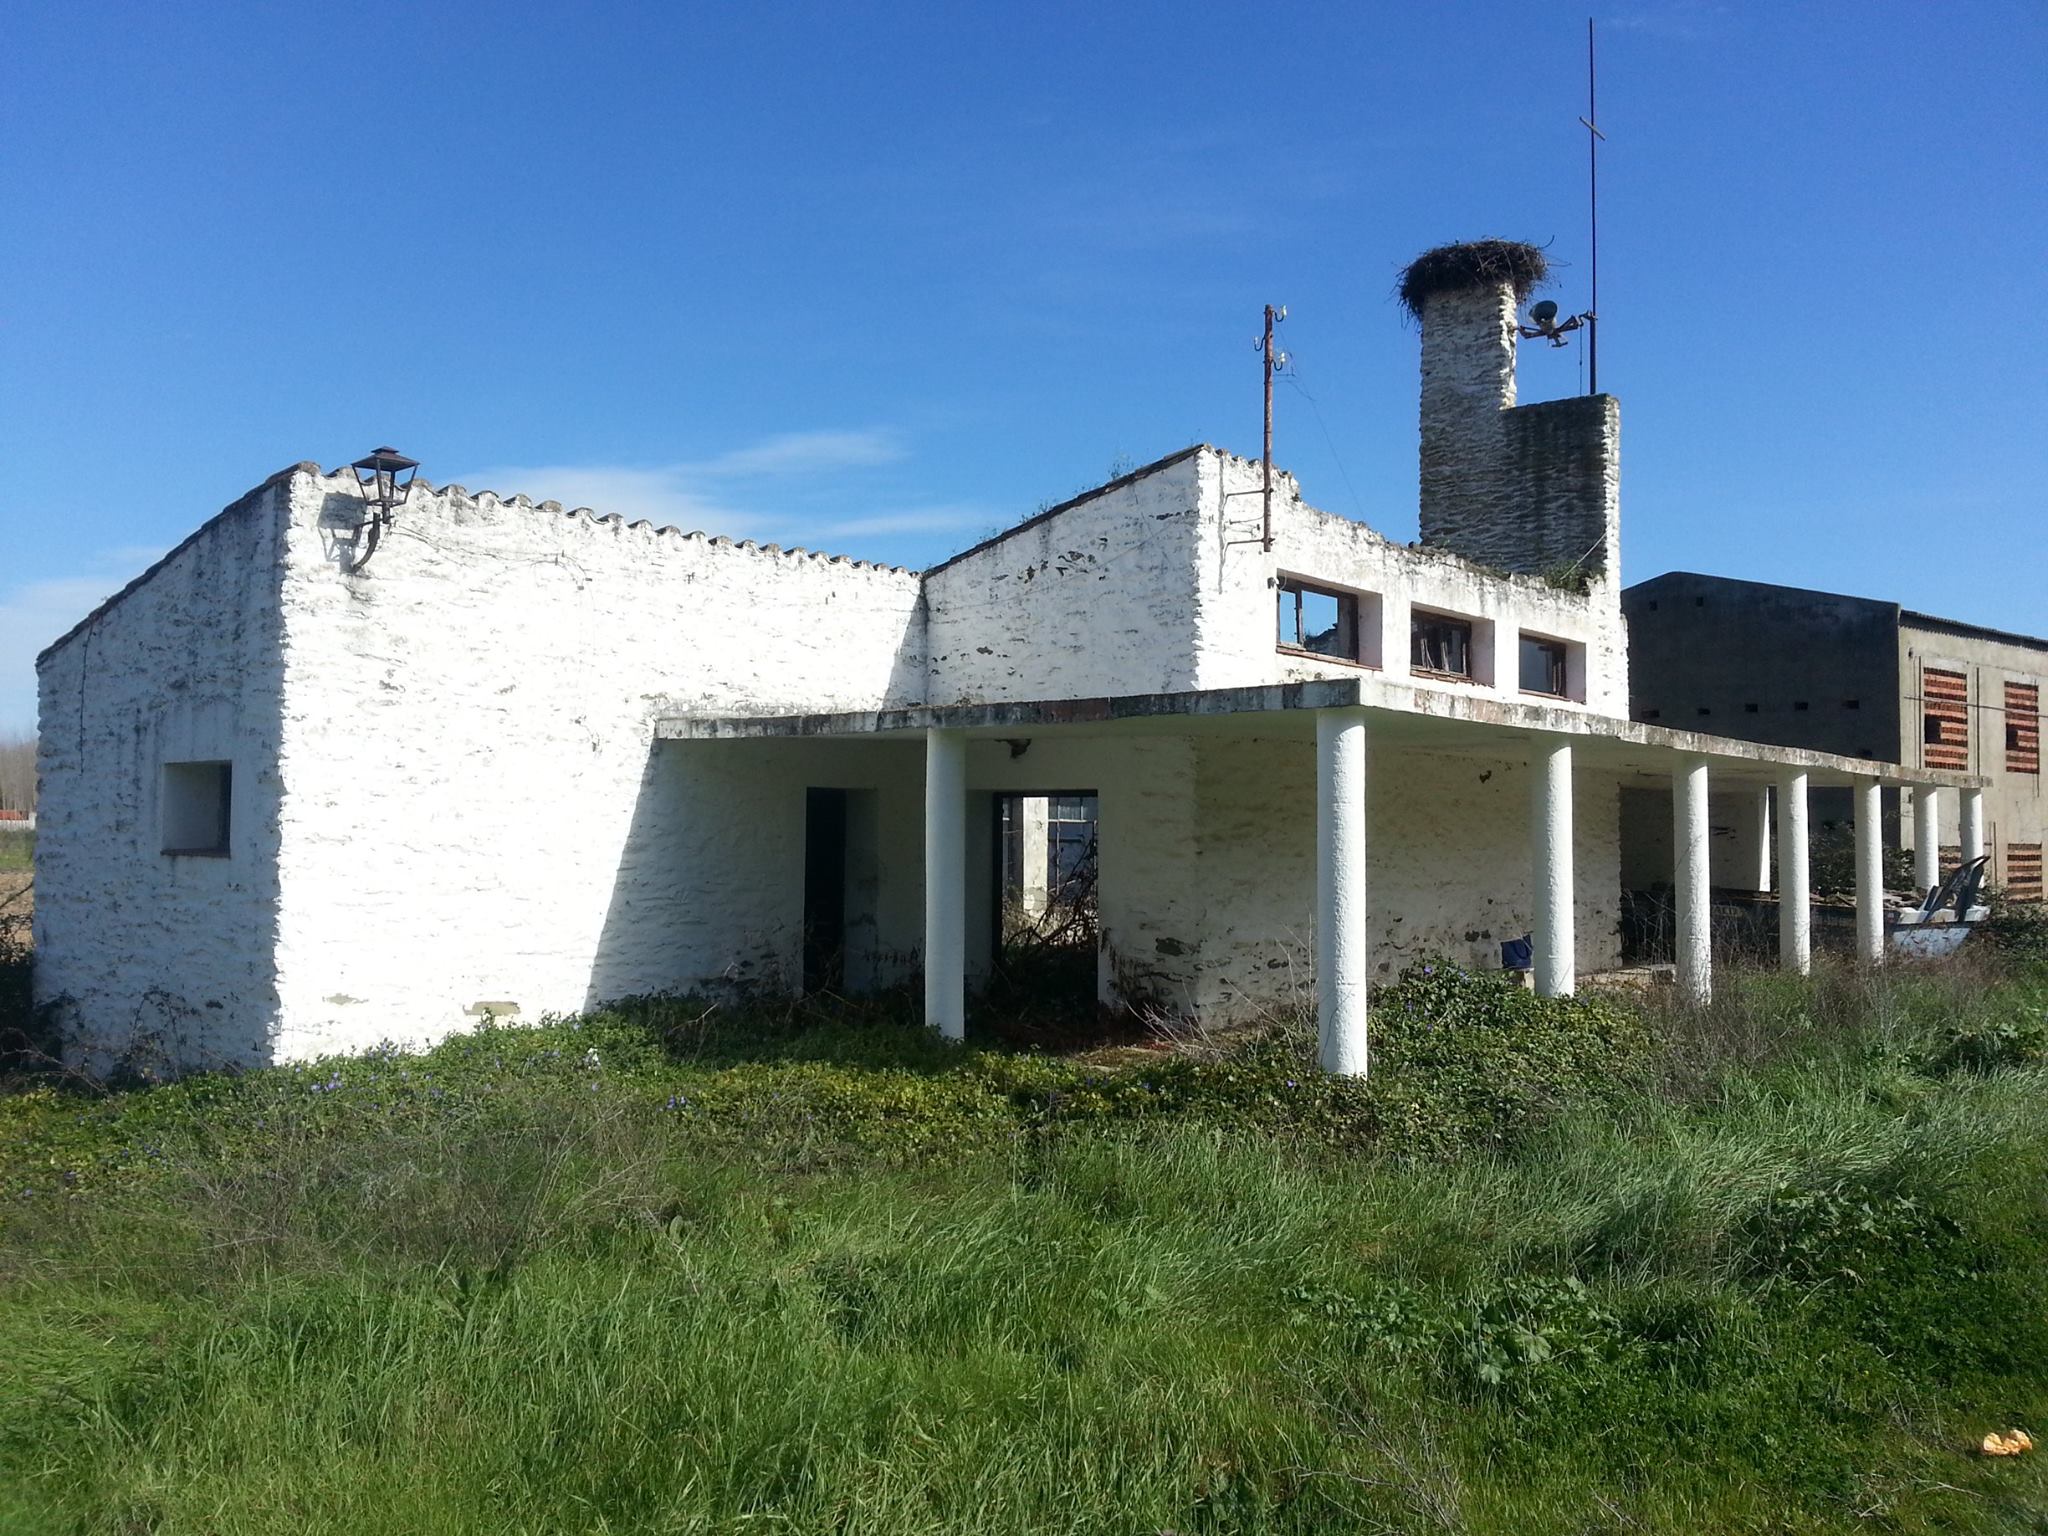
(385,476)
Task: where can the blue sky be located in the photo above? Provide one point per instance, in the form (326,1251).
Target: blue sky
(883,279)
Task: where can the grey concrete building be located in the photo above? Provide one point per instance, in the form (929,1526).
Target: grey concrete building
(1859,677)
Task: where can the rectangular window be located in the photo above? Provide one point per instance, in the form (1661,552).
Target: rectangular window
(1070,845)
(1944,719)
(1440,645)
(1543,666)
(2022,728)
(1318,621)
(2023,871)
(198,805)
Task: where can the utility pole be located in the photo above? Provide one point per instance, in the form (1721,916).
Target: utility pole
(1272,360)
(1594,138)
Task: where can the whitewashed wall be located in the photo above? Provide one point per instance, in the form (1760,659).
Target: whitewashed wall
(1237,581)
(475,812)
(158,962)
(1448,864)
(1086,602)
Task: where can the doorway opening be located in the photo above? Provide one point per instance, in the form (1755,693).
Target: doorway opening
(1047,941)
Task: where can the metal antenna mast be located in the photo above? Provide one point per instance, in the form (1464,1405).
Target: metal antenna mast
(1272,360)
(1594,139)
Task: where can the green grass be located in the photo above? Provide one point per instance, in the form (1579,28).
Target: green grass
(17,852)
(1771,1267)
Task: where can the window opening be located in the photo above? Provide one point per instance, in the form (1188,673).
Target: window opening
(1322,622)
(2022,728)
(1440,645)
(2023,871)
(1543,666)
(198,808)
(1944,719)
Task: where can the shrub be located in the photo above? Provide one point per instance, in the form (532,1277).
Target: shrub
(1471,1058)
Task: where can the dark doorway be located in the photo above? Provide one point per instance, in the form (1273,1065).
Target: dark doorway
(1044,974)
(824,890)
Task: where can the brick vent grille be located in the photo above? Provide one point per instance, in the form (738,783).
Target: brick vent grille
(2023,871)
(2022,728)
(1945,705)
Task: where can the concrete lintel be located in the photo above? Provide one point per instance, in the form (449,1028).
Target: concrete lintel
(1426,705)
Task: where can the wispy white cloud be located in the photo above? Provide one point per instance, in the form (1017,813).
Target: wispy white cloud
(1682,21)
(909,520)
(669,494)
(803,453)
(37,612)
(701,493)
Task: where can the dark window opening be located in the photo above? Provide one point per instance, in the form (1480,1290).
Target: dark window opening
(2023,728)
(198,808)
(1653,714)
(1699,602)
(1749,709)
(1321,622)
(1440,645)
(1852,703)
(1704,710)
(1801,705)
(1944,719)
(1543,666)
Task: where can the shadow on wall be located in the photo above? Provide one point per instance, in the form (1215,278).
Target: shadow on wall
(701,899)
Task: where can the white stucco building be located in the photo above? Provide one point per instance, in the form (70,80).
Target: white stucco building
(524,759)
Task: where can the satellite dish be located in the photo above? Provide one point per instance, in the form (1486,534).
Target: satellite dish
(1544,313)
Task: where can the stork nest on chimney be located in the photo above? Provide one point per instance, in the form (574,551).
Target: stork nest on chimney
(1471,264)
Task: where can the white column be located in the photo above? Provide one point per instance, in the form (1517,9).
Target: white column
(1551,813)
(1926,838)
(1689,833)
(1034,838)
(1971,811)
(945,883)
(1761,811)
(1795,898)
(1340,890)
(1869,798)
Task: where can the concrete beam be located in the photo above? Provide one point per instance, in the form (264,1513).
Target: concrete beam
(1340,891)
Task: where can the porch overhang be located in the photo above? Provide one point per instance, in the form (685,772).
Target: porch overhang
(1413,714)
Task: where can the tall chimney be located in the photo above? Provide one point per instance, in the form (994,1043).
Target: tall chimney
(1534,489)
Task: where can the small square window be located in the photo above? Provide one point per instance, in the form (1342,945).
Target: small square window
(1852,703)
(1800,706)
(1440,645)
(198,807)
(1653,714)
(1749,709)
(1321,622)
(1543,666)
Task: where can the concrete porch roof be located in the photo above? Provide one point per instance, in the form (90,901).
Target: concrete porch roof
(1428,717)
